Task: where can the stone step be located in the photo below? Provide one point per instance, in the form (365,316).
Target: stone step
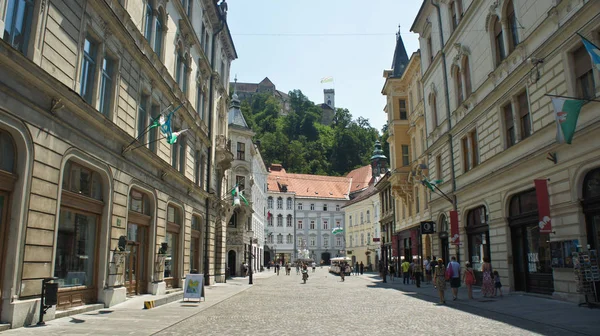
(78,310)
(4,326)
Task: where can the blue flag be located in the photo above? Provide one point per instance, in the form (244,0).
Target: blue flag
(593,50)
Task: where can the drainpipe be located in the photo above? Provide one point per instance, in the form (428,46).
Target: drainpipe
(209,163)
(448,116)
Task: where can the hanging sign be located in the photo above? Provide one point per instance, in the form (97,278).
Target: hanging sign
(194,287)
(543,200)
(454,234)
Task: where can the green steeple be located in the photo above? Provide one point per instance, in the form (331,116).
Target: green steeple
(378,161)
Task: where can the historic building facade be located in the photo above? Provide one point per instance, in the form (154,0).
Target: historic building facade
(487,67)
(249,174)
(89,193)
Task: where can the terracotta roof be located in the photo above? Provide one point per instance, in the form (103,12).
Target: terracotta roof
(313,186)
(370,191)
(360,178)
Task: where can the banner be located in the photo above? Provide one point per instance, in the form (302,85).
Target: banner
(454,233)
(543,200)
(194,287)
(414,242)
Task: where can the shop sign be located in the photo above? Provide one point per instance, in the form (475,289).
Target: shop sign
(543,200)
(427,227)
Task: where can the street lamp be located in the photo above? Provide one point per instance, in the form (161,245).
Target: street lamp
(251,234)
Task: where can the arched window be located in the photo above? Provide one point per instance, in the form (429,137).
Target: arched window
(289,203)
(433,109)
(78,234)
(270,203)
(513,26)
(288,222)
(466,72)
(458,86)
(270,221)
(7,152)
(498,40)
(362,218)
(159,33)
(280,203)
(279,220)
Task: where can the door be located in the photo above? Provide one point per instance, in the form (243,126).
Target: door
(445,247)
(519,256)
(531,258)
(231,262)
(132,268)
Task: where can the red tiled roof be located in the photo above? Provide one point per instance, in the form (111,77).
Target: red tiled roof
(360,178)
(304,185)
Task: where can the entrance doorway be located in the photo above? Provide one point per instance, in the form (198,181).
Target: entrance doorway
(135,262)
(231,261)
(444,241)
(532,262)
(591,207)
(132,268)
(326,257)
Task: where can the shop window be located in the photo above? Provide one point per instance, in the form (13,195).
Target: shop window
(17,25)
(478,237)
(82,181)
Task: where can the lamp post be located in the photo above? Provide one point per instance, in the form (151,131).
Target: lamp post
(251,234)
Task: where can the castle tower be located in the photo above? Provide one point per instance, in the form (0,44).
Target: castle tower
(329,97)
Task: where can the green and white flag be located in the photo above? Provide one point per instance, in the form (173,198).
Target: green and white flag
(566,112)
(237,196)
(171,139)
(431,184)
(337,230)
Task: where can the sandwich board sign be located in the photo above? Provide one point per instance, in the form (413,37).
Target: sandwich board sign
(194,287)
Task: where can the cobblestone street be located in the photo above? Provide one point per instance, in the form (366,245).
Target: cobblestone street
(282,305)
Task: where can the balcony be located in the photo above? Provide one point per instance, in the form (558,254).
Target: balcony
(223,154)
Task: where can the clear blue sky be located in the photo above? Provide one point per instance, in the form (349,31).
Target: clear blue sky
(297,42)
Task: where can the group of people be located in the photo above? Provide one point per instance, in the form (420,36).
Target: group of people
(359,268)
(490,286)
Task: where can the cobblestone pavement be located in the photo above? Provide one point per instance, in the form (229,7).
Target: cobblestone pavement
(282,305)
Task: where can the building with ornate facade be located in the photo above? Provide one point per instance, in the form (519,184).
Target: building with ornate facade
(518,196)
(89,193)
(249,173)
(406,122)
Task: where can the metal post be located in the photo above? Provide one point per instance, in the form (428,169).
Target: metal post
(384,263)
(250,262)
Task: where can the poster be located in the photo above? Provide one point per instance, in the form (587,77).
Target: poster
(194,287)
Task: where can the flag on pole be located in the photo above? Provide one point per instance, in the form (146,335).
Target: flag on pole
(269,215)
(337,230)
(171,139)
(237,196)
(431,184)
(593,50)
(326,80)
(566,112)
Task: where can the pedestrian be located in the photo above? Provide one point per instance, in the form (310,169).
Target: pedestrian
(356,269)
(454,267)
(343,271)
(469,279)
(297,268)
(412,272)
(433,263)
(439,276)
(487,284)
(392,272)
(418,272)
(427,265)
(497,284)
(405,272)
(277,267)
(362,268)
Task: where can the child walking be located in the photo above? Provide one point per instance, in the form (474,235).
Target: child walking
(497,283)
(469,279)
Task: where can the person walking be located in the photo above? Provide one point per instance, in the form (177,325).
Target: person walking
(418,272)
(497,284)
(356,269)
(433,263)
(454,277)
(439,276)
(427,265)
(412,272)
(277,266)
(469,279)
(297,268)
(343,271)
(405,273)
(362,268)
(487,284)
(392,272)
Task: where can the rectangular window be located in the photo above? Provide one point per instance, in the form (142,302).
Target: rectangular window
(182,153)
(106,86)
(280,221)
(152,134)
(142,119)
(289,204)
(241,151)
(325,241)
(405,156)
(290,239)
(350,220)
(403,113)
(199,99)
(240,181)
(312,224)
(509,124)
(313,241)
(158,36)
(470,152)
(430,49)
(417,205)
(288,221)
(325,225)
(338,241)
(324,207)
(197,165)
(88,69)
(280,203)
(337,207)
(148,22)
(299,225)
(279,239)
(524,115)
(19,14)
(312,206)
(584,75)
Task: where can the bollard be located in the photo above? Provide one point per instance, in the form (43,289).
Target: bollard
(49,297)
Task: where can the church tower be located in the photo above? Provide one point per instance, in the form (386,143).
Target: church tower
(378,161)
(329,97)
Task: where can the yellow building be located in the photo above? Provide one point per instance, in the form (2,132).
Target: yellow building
(407,150)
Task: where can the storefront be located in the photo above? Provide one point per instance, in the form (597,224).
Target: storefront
(478,239)
(532,263)
(138,231)
(591,207)
(8,177)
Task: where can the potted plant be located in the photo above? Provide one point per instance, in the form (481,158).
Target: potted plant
(159,265)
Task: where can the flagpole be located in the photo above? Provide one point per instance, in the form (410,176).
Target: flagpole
(147,143)
(569,97)
(146,130)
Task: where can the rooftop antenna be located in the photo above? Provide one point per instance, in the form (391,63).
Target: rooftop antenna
(398,33)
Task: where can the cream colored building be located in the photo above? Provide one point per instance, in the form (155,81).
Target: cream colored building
(362,233)
(81,80)
(487,66)
(406,118)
